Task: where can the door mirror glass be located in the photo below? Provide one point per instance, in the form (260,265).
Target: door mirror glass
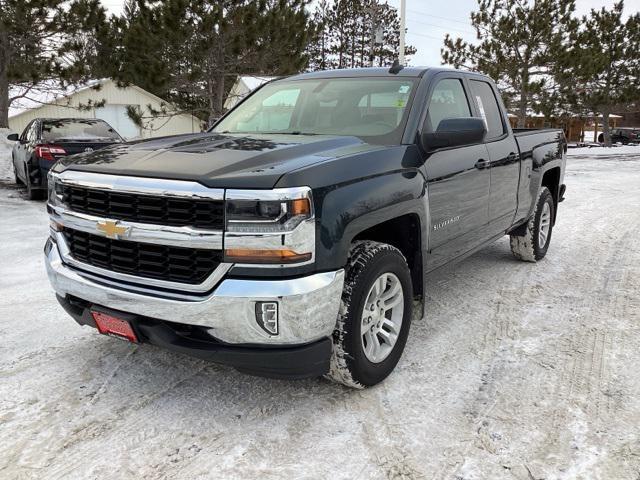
(454,132)
(13,137)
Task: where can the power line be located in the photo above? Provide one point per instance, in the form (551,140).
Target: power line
(409,32)
(467,22)
(441,27)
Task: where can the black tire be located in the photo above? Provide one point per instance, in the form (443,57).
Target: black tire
(32,193)
(15,170)
(528,247)
(350,366)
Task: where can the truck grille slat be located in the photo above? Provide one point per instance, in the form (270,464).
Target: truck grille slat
(202,214)
(162,262)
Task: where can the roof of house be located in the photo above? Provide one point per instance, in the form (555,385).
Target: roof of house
(48,93)
(244,85)
(45,93)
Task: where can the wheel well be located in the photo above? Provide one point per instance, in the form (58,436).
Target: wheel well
(404,234)
(551,180)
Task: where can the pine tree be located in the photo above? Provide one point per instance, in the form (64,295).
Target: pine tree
(602,68)
(47,44)
(348,35)
(318,50)
(518,43)
(190,51)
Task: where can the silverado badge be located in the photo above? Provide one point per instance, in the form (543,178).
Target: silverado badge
(112,229)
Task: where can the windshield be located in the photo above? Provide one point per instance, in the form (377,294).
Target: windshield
(372,108)
(78,130)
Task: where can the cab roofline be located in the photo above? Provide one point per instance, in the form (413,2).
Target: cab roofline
(361,72)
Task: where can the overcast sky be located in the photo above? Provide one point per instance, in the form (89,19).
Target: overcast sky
(428,22)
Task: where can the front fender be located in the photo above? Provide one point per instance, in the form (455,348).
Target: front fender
(351,208)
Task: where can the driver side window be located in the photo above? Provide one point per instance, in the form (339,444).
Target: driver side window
(448,100)
(25,133)
(32,135)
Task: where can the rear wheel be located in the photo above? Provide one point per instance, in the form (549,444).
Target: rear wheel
(533,245)
(375,315)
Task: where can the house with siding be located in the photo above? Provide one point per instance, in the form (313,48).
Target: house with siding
(105,100)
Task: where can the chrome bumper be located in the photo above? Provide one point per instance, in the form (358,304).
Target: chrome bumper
(308,306)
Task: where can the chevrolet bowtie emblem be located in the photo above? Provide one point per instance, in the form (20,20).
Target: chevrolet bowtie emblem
(112,229)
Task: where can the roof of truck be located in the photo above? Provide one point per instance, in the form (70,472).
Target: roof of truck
(375,72)
(362,72)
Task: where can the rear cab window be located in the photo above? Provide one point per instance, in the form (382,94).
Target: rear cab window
(488,108)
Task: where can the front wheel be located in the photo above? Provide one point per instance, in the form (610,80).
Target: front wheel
(533,245)
(375,315)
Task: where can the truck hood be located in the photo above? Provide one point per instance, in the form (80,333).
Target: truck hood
(216,160)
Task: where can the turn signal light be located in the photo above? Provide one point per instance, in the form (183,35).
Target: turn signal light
(241,255)
(300,206)
(55,226)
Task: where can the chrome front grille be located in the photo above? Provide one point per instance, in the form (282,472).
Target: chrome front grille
(161,262)
(164,234)
(207,214)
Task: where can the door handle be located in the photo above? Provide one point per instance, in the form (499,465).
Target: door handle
(513,157)
(482,164)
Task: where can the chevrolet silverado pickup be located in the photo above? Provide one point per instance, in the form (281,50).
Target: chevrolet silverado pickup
(293,238)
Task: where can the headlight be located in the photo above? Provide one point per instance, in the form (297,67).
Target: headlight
(269,226)
(266,216)
(54,190)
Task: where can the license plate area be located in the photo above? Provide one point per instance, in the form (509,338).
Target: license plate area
(112,325)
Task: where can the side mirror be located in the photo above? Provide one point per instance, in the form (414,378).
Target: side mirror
(454,132)
(13,137)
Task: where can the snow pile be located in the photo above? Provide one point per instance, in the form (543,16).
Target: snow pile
(604,151)
(6,170)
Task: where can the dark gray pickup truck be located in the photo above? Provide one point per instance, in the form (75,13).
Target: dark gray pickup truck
(292,239)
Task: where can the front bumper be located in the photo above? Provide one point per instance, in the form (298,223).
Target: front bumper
(308,306)
(309,360)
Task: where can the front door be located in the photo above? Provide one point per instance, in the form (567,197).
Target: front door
(20,151)
(458,180)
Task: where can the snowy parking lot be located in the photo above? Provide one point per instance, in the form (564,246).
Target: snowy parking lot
(517,371)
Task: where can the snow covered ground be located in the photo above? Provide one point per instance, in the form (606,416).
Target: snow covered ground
(518,371)
(6,170)
(597,151)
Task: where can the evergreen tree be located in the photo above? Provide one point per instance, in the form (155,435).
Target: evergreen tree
(602,68)
(518,43)
(186,51)
(318,50)
(47,44)
(349,34)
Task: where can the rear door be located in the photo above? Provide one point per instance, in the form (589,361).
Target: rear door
(458,180)
(503,154)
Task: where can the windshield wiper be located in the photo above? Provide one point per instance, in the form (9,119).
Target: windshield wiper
(295,132)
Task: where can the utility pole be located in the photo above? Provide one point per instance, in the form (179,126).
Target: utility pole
(373,11)
(403,16)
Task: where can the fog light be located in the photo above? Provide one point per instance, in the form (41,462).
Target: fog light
(267,316)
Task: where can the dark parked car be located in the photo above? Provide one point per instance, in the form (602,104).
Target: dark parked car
(292,238)
(623,135)
(46,140)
